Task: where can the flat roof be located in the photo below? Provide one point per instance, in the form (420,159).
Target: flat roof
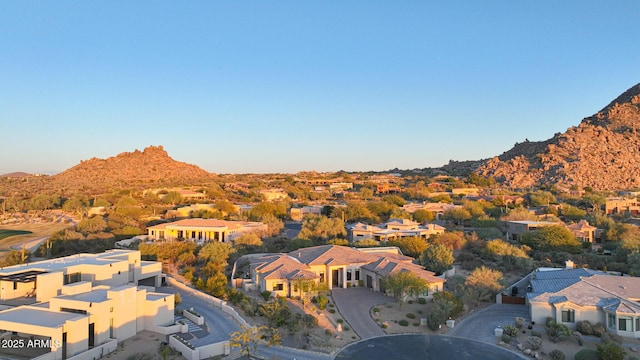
(93,296)
(62,263)
(35,316)
(23,277)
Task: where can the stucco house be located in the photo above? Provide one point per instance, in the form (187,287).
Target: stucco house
(394,228)
(201,230)
(81,306)
(572,295)
(583,231)
(515,229)
(334,266)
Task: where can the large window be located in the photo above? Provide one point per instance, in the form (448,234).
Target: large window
(625,323)
(637,324)
(611,322)
(278,287)
(568,315)
(348,275)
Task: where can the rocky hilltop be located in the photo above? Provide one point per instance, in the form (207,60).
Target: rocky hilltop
(603,152)
(138,169)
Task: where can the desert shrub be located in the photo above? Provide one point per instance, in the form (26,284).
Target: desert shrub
(384,326)
(558,332)
(411,316)
(506,338)
(549,322)
(416,324)
(340,321)
(346,328)
(519,323)
(266,295)
(598,329)
(579,338)
(609,337)
(610,351)
(410,302)
(587,354)
(332,311)
(376,309)
(536,333)
(584,327)
(309,320)
(403,322)
(422,301)
(557,355)
(322,302)
(534,342)
(510,330)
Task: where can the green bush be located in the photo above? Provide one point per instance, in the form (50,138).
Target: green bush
(511,330)
(519,323)
(598,329)
(534,342)
(584,327)
(403,323)
(506,338)
(611,351)
(411,316)
(322,302)
(422,301)
(346,328)
(340,321)
(536,333)
(332,311)
(587,354)
(266,295)
(416,324)
(376,309)
(557,355)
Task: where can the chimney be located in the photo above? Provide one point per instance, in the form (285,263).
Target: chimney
(569,264)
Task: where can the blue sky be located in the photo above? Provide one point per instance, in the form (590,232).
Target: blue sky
(287,86)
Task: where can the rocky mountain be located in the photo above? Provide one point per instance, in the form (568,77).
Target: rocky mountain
(139,169)
(602,152)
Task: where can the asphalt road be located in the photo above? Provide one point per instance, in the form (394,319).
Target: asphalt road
(481,325)
(423,347)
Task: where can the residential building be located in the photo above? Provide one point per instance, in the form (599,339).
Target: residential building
(201,230)
(515,229)
(621,206)
(583,231)
(394,228)
(572,295)
(334,266)
(437,208)
(273,194)
(297,214)
(74,304)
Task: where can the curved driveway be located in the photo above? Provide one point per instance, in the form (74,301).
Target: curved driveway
(354,305)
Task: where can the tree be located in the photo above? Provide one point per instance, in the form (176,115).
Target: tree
(171,198)
(403,283)
(274,224)
(485,281)
(573,213)
(248,240)
(216,284)
(320,228)
(93,224)
(366,193)
(437,258)
(505,252)
(411,246)
(215,254)
(457,215)
(519,214)
(422,215)
(552,238)
(540,198)
(248,340)
(15,257)
(226,207)
(275,311)
(454,240)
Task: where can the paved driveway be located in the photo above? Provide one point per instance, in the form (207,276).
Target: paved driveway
(481,325)
(354,305)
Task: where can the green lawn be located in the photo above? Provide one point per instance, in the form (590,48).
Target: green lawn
(5,233)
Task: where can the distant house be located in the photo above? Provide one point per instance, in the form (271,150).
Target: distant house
(297,214)
(201,230)
(583,231)
(394,228)
(621,206)
(334,266)
(437,208)
(572,295)
(273,194)
(515,229)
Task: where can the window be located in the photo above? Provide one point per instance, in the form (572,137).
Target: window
(637,324)
(611,323)
(357,275)
(568,315)
(625,323)
(321,277)
(348,275)
(278,287)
